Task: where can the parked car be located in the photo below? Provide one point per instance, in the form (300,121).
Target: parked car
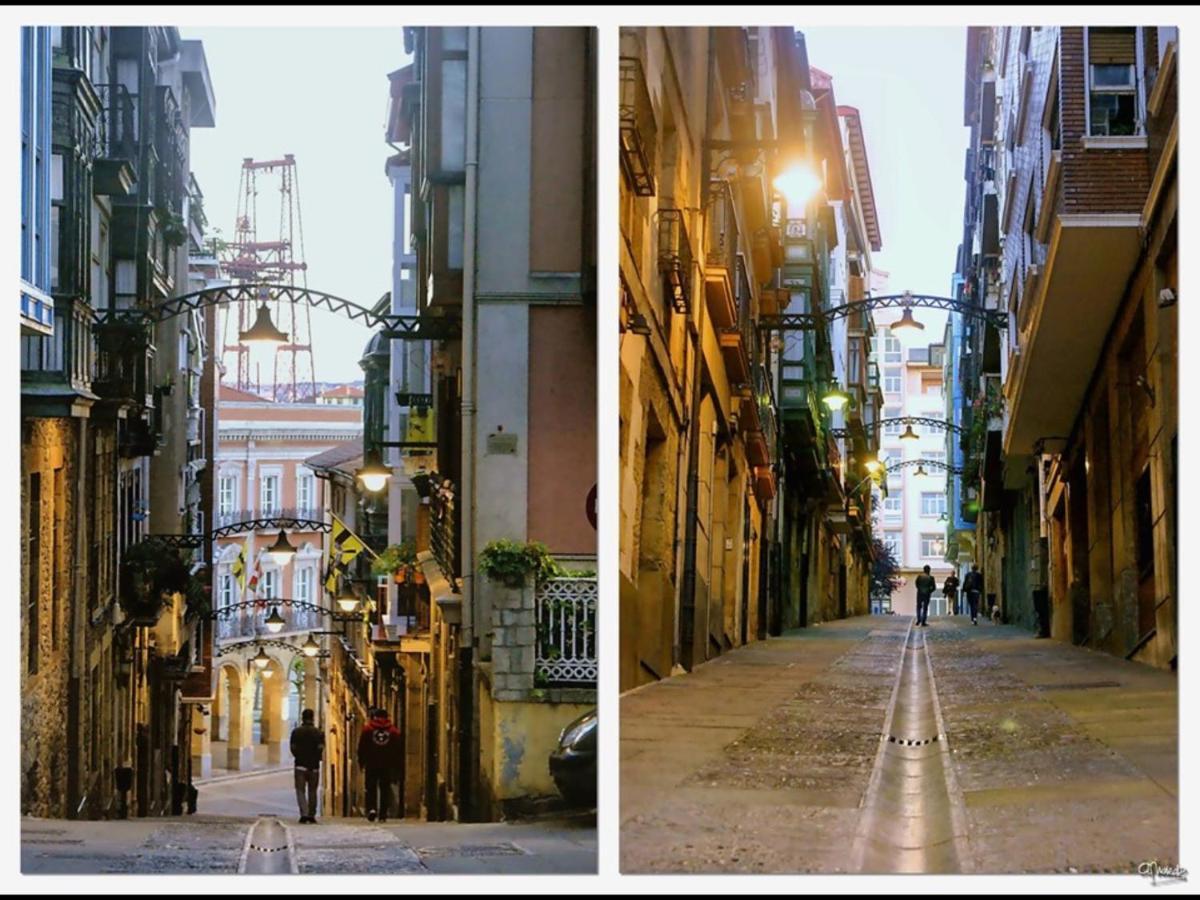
(573,762)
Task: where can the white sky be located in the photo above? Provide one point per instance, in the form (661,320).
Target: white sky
(321,94)
(907,84)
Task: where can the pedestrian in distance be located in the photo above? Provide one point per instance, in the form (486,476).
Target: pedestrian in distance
(950,589)
(925,588)
(308,746)
(973,588)
(380,752)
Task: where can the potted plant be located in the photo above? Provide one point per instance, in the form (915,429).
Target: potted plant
(174,230)
(510,562)
(397,560)
(149,572)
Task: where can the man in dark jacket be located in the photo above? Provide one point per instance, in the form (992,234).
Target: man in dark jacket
(973,588)
(379,753)
(925,588)
(308,745)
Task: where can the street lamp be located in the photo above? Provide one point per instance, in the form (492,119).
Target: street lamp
(281,552)
(872,464)
(906,319)
(835,398)
(920,469)
(798,183)
(909,434)
(374,474)
(263,331)
(262,661)
(347,602)
(275,621)
(310,647)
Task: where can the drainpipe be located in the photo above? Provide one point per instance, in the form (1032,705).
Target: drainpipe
(467,502)
(682,655)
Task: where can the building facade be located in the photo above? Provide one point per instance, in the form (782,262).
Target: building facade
(913,513)
(497,158)
(1071,195)
(111,452)
(737,518)
(261,472)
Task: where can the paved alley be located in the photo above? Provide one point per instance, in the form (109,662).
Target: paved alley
(865,745)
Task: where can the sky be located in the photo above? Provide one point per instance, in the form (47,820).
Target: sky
(907,84)
(321,94)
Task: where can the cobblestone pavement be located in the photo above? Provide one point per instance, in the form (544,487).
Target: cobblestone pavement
(216,841)
(760,760)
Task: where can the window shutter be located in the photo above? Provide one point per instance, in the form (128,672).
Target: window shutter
(1111,46)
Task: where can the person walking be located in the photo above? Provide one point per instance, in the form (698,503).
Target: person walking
(308,746)
(973,588)
(925,588)
(950,589)
(379,753)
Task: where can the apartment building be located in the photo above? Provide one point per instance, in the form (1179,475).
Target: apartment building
(1071,228)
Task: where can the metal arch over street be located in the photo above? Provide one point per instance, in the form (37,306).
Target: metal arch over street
(907,420)
(403,327)
(193,541)
(950,470)
(295,650)
(226,612)
(811,321)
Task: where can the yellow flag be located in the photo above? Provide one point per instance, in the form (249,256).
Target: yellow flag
(344,547)
(239,566)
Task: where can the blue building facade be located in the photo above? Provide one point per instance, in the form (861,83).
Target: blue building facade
(37,306)
(960,536)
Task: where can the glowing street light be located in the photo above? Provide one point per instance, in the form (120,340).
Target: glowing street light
(262,661)
(310,647)
(281,552)
(374,474)
(835,398)
(798,183)
(263,331)
(275,621)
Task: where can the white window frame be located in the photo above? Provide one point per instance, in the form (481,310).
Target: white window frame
(934,538)
(302,570)
(303,475)
(928,495)
(899,376)
(895,540)
(222,478)
(893,503)
(265,473)
(271,579)
(226,583)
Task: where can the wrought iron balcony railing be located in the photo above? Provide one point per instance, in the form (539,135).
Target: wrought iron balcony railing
(675,259)
(566,632)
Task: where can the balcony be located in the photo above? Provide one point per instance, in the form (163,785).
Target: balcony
(675,259)
(565,654)
(637,128)
(720,260)
(229,517)
(249,622)
(1067,315)
(764,483)
(115,167)
(803,426)
(124,364)
(444,528)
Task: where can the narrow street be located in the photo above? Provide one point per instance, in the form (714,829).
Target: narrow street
(247,824)
(868,745)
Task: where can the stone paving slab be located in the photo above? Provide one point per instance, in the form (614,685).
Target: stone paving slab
(1060,770)
(777,787)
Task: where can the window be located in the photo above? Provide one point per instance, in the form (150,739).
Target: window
(225,591)
(304,584)
(891,540)
(306,492)
(56,214)
(893,503)
(269,496)
(270,584)
(891,381)
(933,546)
(227,495)
(931,386)
(892,427)
(1112,81)
(892,351)
(938,456)
(933,504)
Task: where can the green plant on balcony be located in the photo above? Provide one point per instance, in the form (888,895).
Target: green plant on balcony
(174,230)
(149,573)
(199,595)
(399,561)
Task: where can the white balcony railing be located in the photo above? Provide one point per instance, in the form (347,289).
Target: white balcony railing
(566,632)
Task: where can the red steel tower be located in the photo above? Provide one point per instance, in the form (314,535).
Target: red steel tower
(249,260)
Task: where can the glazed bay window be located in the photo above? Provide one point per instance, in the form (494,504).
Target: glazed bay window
(1113,102)
(891,381)
(891,540)
(892,427)
(893,504)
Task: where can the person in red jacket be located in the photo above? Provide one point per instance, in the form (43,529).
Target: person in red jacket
(379,753)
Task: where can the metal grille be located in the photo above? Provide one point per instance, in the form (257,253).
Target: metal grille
(566,629)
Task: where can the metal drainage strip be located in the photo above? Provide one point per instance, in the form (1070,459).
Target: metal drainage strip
(907,821)
(267,849)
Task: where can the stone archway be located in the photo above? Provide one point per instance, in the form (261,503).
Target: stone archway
(229,718)
(272,685)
